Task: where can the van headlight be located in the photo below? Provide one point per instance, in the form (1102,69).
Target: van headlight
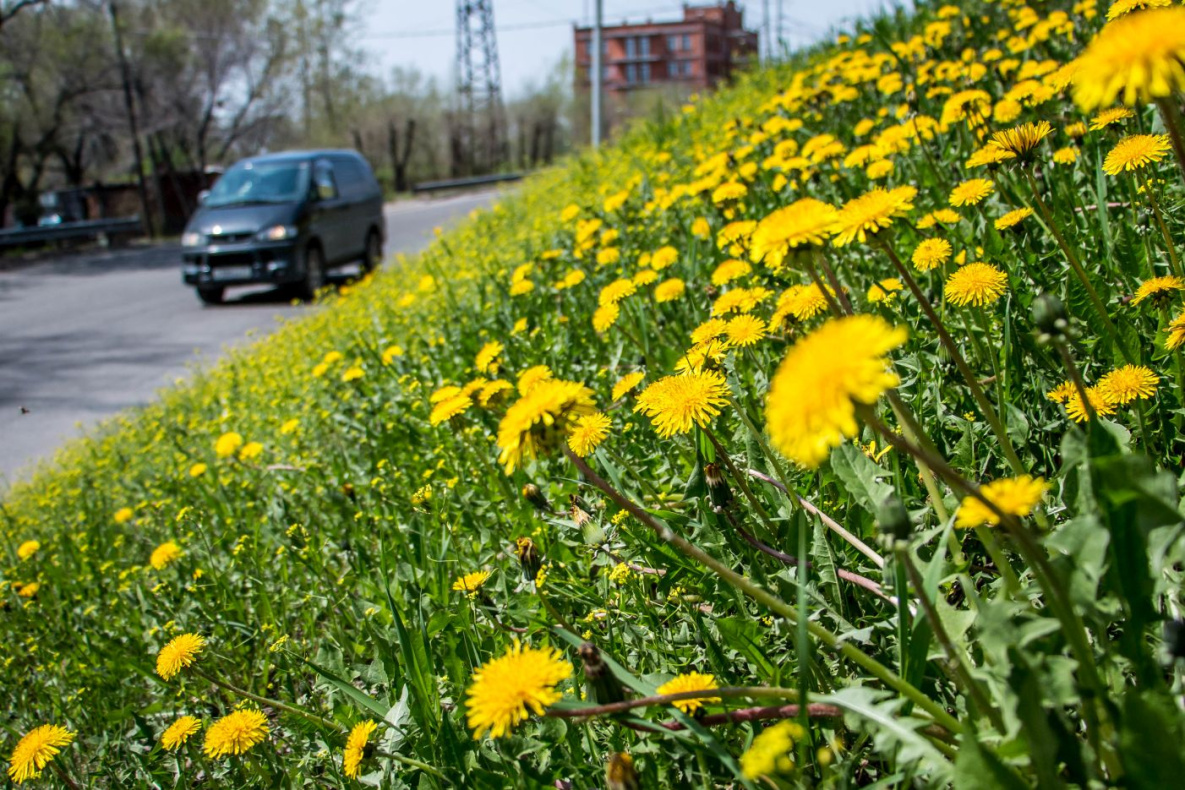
(277,233)
(191,239)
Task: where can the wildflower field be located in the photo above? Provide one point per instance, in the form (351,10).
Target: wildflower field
(827,434)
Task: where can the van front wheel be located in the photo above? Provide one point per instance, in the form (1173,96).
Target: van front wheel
(374,252)
(314,273)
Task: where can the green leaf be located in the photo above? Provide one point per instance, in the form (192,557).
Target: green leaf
(364,701)
(979,769)
(860,477)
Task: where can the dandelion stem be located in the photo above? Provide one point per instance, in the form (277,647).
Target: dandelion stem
(1076,265)
(957,657)
(774,603)
(977,392)
(1174,261)
(408,761)
(272,703)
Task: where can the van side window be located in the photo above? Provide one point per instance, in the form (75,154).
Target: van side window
(353,177)
(323,183)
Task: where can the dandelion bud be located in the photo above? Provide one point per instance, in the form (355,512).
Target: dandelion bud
(602,685)
(348,491)
(893,519)
(528,558)
(1049,314)
(1174,638)
(532,494)
(620,773)
(718,490)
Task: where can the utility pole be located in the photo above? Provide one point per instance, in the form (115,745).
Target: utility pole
(479,86)
(130,104)
(765,30)
(596,73)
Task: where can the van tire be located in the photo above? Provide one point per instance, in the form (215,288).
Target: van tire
(211,294)
(372,256)
(314,273)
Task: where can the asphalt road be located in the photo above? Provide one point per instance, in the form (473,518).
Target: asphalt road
(84,336)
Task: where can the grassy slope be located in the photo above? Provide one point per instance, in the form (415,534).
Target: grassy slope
(329,548)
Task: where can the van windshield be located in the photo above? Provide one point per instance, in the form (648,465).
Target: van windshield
(260,182)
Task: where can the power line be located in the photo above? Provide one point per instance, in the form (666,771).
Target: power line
(452,31)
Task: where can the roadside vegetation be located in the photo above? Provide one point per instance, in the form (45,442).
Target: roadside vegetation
(825,435)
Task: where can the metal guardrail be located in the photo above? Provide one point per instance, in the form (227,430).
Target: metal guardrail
(457,183)
(19,237)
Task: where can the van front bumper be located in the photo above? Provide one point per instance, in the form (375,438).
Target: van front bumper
(241,264)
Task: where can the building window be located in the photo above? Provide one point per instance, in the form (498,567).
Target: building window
(631,46)
(686,41)
(645,73)
(631,73)
(644,46)
(672,43)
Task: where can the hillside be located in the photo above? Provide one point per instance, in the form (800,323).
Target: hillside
(841,413)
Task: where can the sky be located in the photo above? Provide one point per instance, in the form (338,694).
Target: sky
(534,34)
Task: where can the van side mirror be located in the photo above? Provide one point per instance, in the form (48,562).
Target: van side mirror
(205,193)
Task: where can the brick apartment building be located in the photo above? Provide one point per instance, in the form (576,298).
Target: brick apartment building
(697,51)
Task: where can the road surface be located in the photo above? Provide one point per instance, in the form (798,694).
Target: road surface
(87,335)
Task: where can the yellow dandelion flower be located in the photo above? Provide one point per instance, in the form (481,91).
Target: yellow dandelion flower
(1159,289)
(28,549)
(745,330)
(675,403)
(878,170)
(450,408)
(521,287)
(1013,496)
(663,257)
(871,213)
(164,554)
(608,255)
(884,291)
(471,582)
(250,451)
(390,353)
(812,398)
(235,733)
(1134,152)
(942,216)
(532,376)
(1176,336)
(979,284)
(772,752)
(1021,141)
(730,270)
(605,317)
(179,732)
(690,681)
(740,300)
(1099,401)
(489,391)
(988,156)
(669,290)
(971,192)
(178,654)
(1065,156)
(615,291)
(930,254)
(1062,392)
(1109,116)
(28,590)
(729,191)
(537,422)
(644,277)
(1128,383)
(1013,218)
(627,383)
(356,748)
(228,444)
(709,330)
(444,393)
(1124,7)
(488,356)
(123,515)
(1134,59)
(198,469)
(803,223)
(352,373)
(701,228)
(588,432)
(35,750)
(506,690)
